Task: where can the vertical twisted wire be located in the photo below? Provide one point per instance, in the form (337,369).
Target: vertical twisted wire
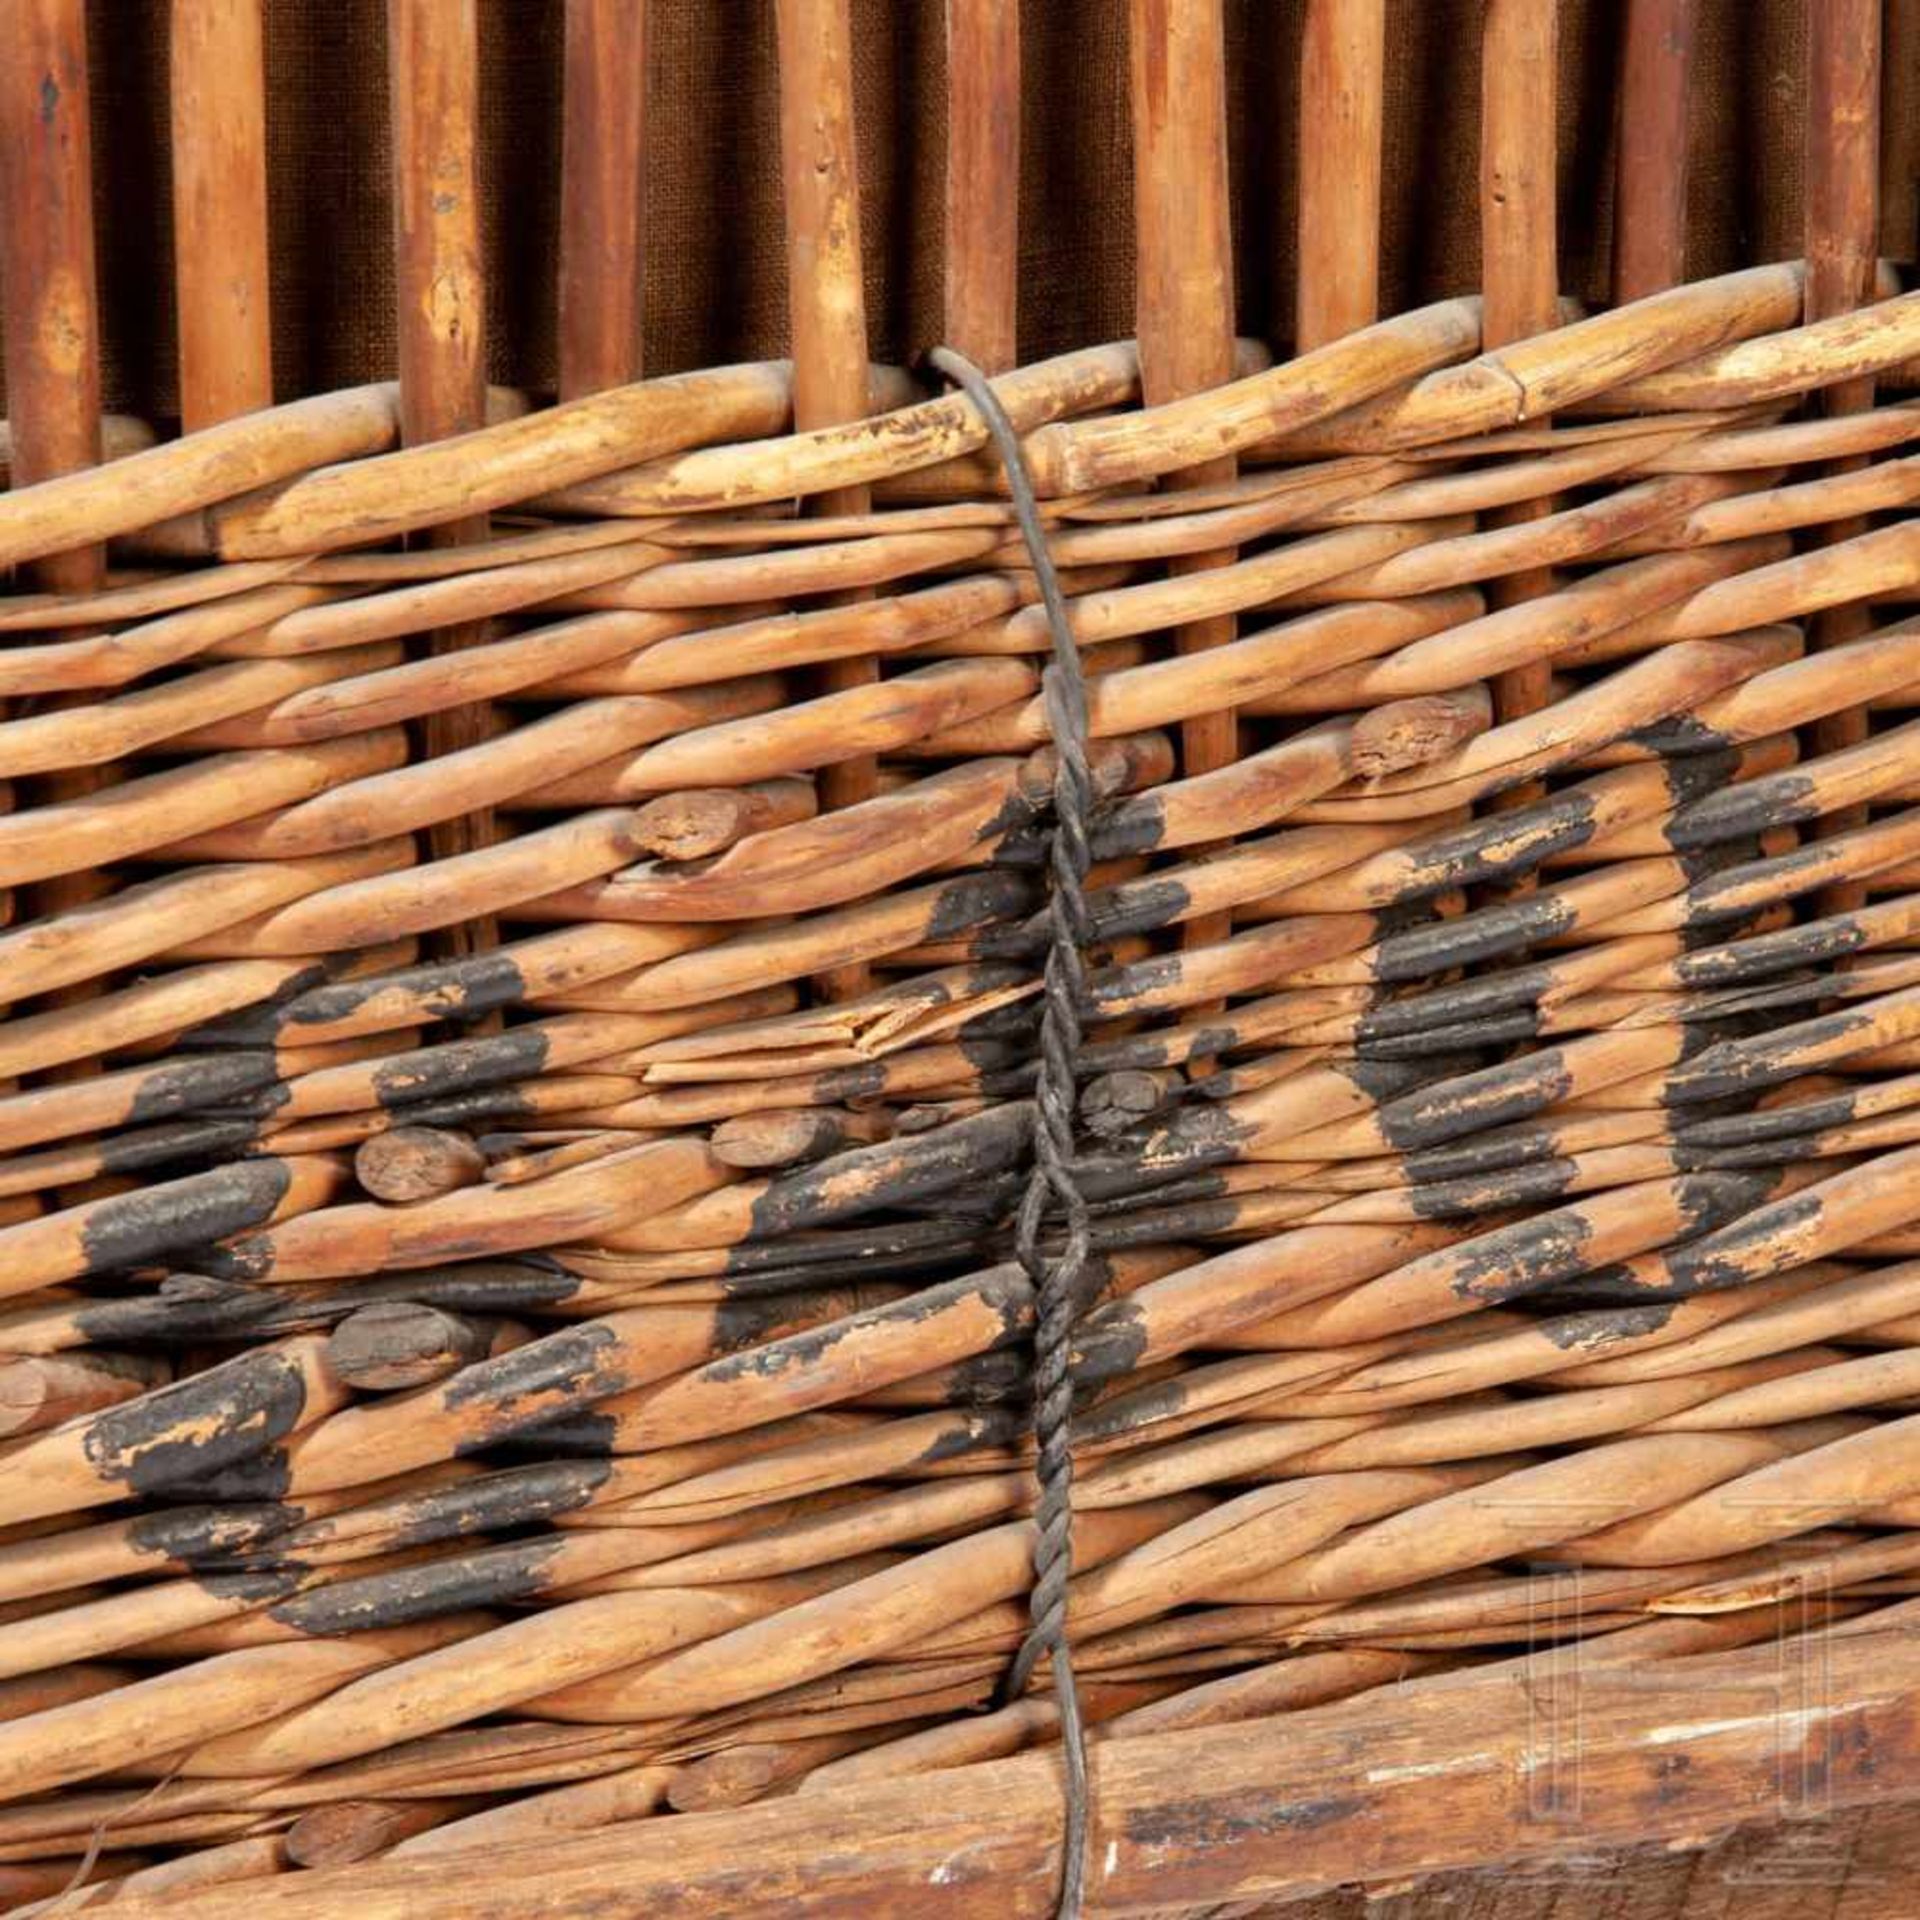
(1058,1283)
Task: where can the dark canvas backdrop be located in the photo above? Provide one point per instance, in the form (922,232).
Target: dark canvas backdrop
(715,270)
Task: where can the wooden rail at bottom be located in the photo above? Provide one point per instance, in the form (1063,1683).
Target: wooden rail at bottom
(1395,1785)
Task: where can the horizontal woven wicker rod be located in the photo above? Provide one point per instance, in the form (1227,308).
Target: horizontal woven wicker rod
(1534,1254)
(1806,1573)
(94,1736)
(547,1650)
(688,648)
(131,817)
(246,1859)
(1854,1204)
(137,593)
(388,998)
(165,1611)
(1239,1538)
(864,847)
(626,1794)
(572,1368)
(498,769)
(1851,1474)
(1532,1505)
(90,736)
(116,658)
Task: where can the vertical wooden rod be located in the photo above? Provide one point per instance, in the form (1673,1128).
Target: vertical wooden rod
(1843,159)
(1184,283)
(602,194)
(820,175)
(433,74)
(1184,300)
(47,288)
(49,329)
(1842,240)
(819,168)
(983,181)
(1342,101)
(1519,263)
(1650,205)
(218,97)
(1900,130)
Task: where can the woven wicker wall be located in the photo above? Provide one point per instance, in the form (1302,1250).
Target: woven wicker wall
(716,272)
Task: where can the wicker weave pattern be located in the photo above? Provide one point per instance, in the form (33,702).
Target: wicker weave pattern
(526,929)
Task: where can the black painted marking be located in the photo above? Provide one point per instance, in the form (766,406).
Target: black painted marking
(198,1426)
(961,1251)
(1523,1258)
(1193,1186)
(1003,1290)
(1681,733)
(1597,1329)
(486,1103)
(571,1362)
(974,900)
(870,1241)
(178,1086)
(583,1436)
(1468,1000)
(197,1140)
(1156,974)
(973,1429)
(1492,1097)
(1142,906)
(200,1533)
(518,1570)
(452,990)
(1109,1342)
(1775,1123)
(1743,1066)
(1538,1181)
(867,1179)
(460,1066)
(132,1229)
(1766,953)
(1151,1228)
(1506,845)
(1496,1031)
(264,1476)
(1751,808)
(1136,825)
(1485,935)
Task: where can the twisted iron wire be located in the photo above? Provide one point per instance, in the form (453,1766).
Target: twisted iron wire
(1058,1282)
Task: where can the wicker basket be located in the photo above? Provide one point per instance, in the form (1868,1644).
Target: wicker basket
(539,907)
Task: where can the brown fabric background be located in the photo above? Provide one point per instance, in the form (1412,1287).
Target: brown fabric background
(716,259)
